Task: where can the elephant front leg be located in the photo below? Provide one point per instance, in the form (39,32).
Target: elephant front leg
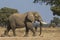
(33,31)
(27,31)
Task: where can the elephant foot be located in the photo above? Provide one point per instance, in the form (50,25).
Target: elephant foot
(2,35)
(15,35)
(5,35)
(34,34)
(39,34)
(36,31)
(25,35)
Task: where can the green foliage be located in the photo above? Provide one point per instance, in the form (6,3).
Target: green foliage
(54,3)
(5,13)
(8,10)
(51,2)
(56,10)
(55,20)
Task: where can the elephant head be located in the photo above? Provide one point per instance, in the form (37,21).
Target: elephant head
(37,17)
(34,16)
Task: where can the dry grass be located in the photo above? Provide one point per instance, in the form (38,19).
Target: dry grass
(47,34)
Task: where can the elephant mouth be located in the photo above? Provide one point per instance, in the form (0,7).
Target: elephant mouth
(36,23)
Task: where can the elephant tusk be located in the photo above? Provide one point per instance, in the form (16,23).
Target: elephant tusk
(43,22)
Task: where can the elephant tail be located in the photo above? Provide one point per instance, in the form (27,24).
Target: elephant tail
(7,23)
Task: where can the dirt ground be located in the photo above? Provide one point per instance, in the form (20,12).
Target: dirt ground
(47,34)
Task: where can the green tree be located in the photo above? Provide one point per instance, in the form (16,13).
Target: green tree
(55,21)
(52,23)
(55,5)
(5,12)
(51,2)
(55,10)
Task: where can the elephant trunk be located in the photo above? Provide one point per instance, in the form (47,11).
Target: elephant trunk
(40,20)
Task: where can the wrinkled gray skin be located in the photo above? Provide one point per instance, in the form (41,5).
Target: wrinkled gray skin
(23,20)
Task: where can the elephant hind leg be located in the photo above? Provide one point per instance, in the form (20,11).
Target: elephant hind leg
(13,29)
(7,30)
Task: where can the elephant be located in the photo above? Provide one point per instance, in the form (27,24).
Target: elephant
(26,20)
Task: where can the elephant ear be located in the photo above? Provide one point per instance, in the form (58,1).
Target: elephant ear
(30,16)
(39,16)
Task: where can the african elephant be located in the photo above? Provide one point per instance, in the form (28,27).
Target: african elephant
(23,20)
